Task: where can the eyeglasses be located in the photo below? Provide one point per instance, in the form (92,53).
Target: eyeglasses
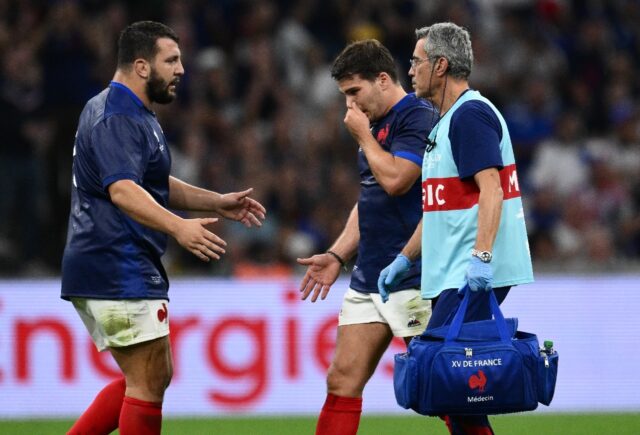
(415,61)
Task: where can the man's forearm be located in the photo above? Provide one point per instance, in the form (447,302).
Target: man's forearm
(489,212)
(346,245)
(395,175)
(184,196)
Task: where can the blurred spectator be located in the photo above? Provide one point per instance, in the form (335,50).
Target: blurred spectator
(561,162)
(621,148)
(26,135)
(544,216)
(629,235)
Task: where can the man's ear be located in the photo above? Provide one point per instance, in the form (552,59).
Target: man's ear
(142,68)
(442,66)
(385,80)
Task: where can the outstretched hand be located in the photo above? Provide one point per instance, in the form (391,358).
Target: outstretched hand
(322,272)
(194,237)
(238,206)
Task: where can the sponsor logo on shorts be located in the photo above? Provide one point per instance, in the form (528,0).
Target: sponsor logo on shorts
(413,322)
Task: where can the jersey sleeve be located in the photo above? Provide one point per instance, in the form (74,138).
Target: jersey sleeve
(120,150)
(475,136)
(410,140)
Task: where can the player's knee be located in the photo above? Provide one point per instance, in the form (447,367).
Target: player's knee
(343,382)
(164,379)
(156,390)
(168,376)
(336,375)
(158,380)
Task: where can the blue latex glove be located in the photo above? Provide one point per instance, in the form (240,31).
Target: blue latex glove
(479,275)
(391,274)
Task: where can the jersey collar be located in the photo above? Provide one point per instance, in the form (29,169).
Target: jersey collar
(135,98)
(403,102)
(397,108)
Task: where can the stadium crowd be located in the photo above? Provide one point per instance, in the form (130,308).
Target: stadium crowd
(257,107)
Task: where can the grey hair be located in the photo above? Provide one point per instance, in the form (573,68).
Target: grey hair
(450,41)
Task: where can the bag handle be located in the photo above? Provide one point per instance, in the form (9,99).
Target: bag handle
(456,323)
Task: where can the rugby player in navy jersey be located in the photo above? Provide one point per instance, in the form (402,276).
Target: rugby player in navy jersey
(390,127)
(473,230)
(119,224)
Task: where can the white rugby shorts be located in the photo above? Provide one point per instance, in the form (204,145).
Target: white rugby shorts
(123,322)
(406,313)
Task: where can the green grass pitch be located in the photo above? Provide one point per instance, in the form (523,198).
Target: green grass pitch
(524,424)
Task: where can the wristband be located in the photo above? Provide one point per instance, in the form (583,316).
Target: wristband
(339,258)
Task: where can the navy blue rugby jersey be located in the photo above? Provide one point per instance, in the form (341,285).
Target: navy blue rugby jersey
(387,222)
(108,255)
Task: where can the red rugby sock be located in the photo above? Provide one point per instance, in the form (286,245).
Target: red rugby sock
(140,418)
(339,416)
(101,417)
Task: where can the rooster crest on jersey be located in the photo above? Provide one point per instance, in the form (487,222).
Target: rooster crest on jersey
(382,134)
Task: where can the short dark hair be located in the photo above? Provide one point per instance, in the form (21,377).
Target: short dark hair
(368,58)
(138,40)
